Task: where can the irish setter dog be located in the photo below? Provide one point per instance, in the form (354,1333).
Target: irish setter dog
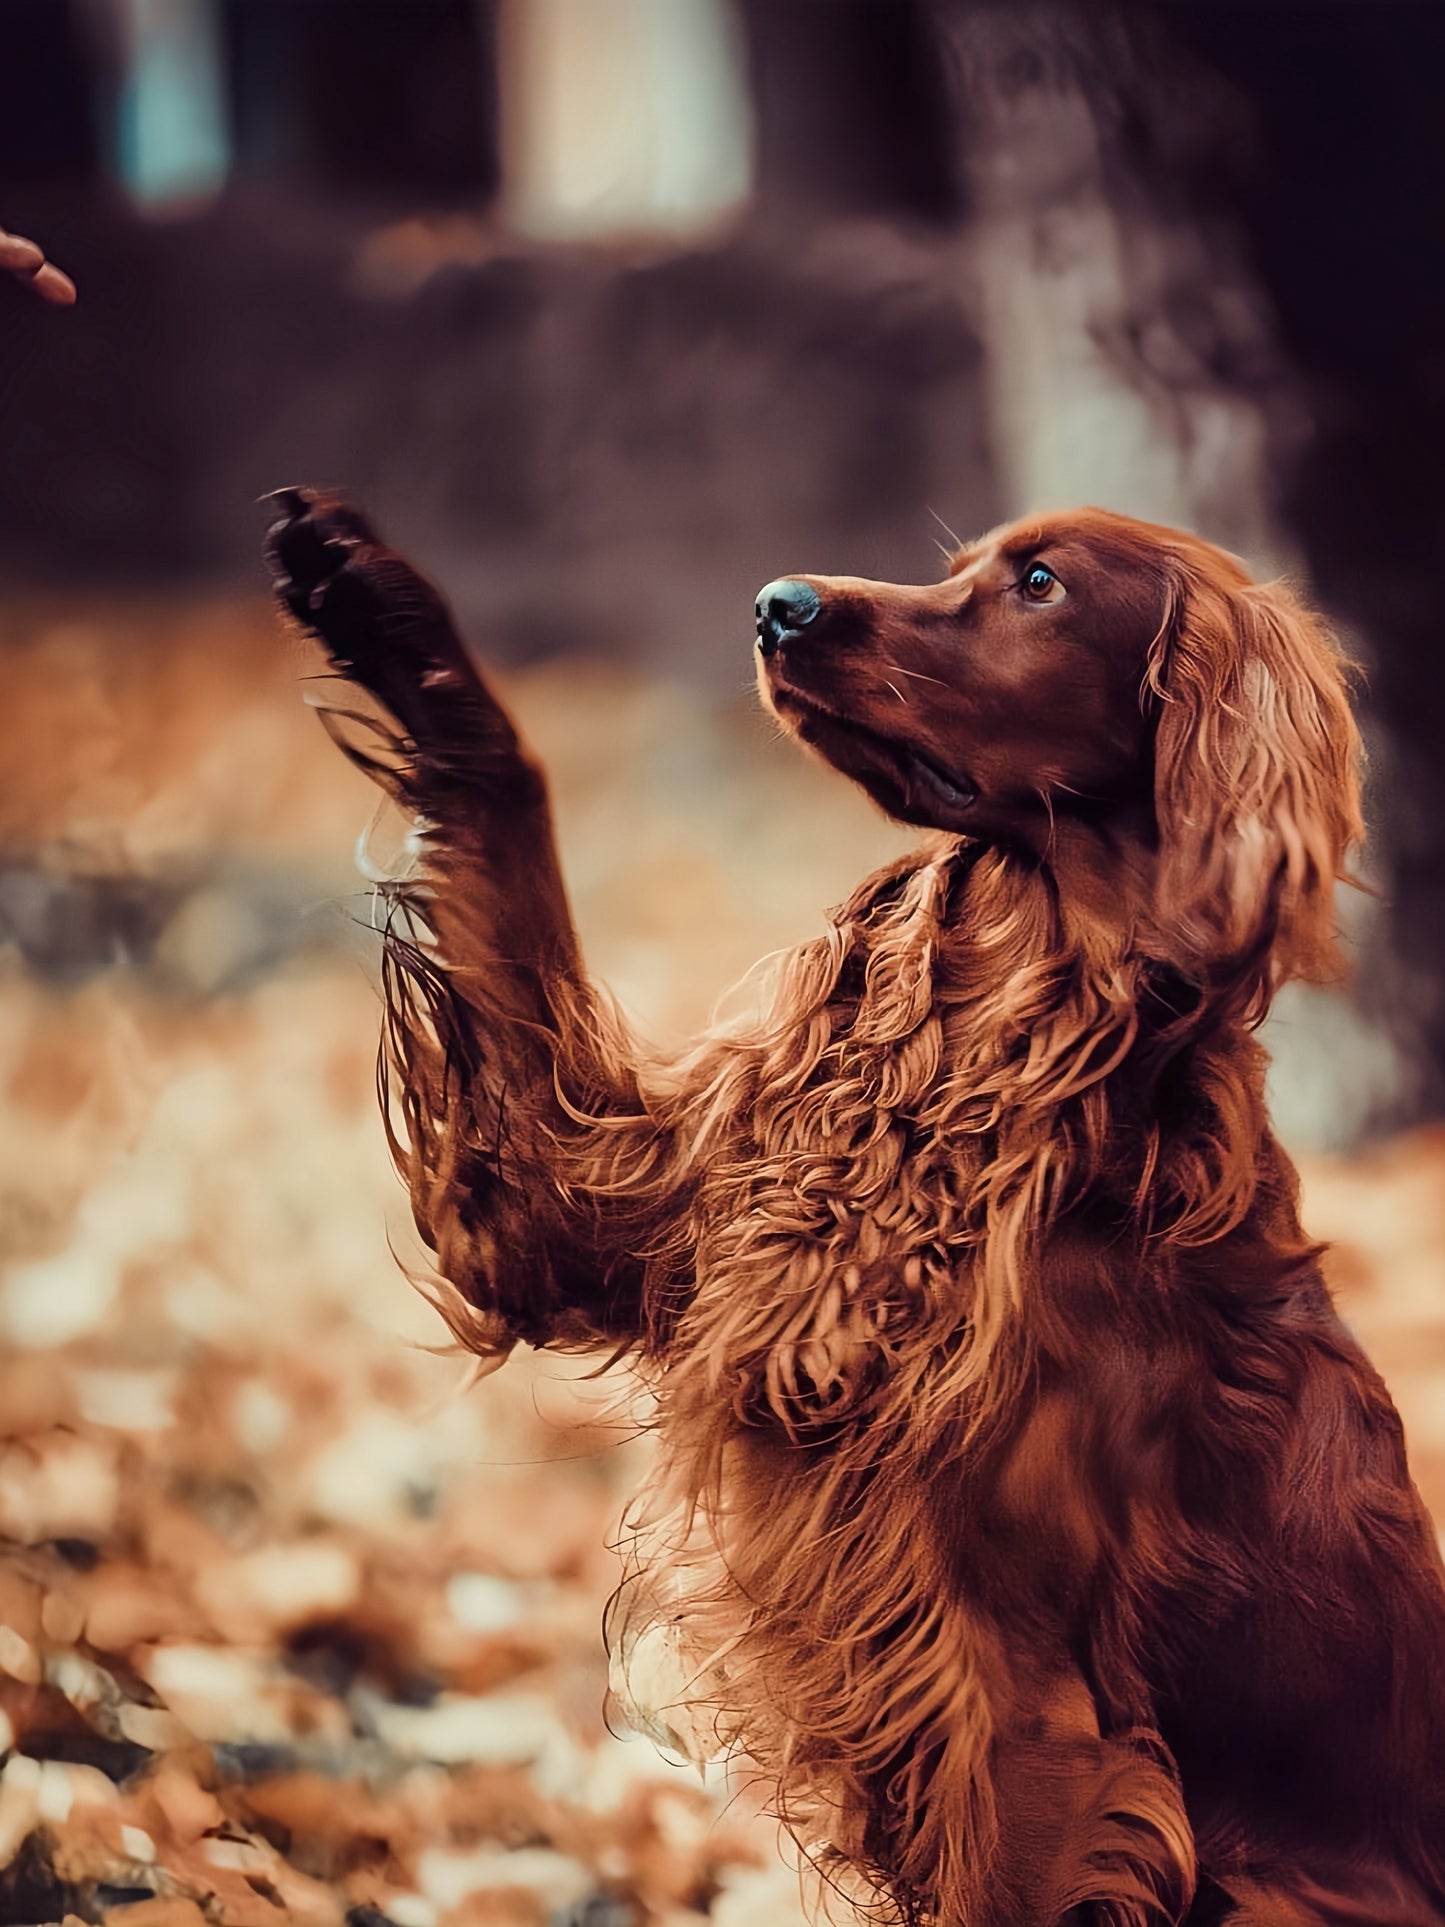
(1024,1510)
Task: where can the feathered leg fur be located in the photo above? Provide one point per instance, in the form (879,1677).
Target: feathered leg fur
(498,1057)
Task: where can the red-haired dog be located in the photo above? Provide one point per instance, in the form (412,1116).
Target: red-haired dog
(1024,1510)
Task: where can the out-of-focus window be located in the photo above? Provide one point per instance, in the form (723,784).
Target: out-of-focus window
(172,142)
(621,117)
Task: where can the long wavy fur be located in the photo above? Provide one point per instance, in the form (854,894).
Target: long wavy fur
(980,1152)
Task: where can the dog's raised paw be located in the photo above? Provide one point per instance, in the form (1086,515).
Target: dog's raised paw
(382,624)
(311,541)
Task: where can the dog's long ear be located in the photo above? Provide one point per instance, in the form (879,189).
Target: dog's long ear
(1256,781)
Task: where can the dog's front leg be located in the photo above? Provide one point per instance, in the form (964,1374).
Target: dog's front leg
(497,1057)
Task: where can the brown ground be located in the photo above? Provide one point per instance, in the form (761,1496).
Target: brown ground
(290,1623)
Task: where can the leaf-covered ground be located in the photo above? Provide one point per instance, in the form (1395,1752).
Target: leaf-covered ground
(294,1625)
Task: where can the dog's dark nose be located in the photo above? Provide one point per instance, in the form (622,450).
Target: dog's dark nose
(784,609)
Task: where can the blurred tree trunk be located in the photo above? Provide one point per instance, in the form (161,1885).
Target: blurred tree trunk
(1340,193)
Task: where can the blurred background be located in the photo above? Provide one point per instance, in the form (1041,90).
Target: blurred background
(609,311)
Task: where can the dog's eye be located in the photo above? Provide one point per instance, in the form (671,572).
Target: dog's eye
(1041,585)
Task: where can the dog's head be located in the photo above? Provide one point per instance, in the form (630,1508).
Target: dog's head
(1090,681)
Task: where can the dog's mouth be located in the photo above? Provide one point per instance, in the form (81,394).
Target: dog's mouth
(901,778)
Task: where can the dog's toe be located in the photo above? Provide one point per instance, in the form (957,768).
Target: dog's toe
(311,541)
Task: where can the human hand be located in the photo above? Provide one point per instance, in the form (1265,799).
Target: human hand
(27,262)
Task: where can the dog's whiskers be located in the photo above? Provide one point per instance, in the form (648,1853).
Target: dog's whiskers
(916,675)
(1045,796)
(952,534)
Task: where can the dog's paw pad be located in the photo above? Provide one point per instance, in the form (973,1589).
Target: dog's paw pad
(311,541)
